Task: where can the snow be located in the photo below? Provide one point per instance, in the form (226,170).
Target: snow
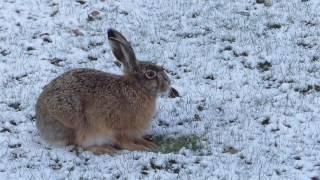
(248,76)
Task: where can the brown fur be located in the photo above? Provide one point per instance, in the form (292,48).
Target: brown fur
(99,111)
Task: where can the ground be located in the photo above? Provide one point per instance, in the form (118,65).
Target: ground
(248,76)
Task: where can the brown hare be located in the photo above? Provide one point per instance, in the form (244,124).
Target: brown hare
(99,111)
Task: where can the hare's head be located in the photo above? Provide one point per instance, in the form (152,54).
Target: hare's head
(149,75)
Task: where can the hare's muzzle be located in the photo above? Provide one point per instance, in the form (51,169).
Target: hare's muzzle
(165,82)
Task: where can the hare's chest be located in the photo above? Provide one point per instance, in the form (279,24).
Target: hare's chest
(142,113)
(141,106)
(149,110)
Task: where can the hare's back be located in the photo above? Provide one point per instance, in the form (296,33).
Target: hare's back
(80,81)
(66,96)
(78,86)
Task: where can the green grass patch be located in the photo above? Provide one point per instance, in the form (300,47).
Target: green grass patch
(174,145)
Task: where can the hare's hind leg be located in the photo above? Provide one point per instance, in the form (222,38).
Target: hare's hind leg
(55,132)
(94,140)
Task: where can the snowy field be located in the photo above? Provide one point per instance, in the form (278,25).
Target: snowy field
(248,76)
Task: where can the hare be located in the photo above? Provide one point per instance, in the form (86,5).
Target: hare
(99,111)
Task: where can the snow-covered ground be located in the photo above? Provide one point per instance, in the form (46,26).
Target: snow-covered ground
(248,76)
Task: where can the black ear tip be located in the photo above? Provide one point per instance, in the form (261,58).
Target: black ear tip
(111,33)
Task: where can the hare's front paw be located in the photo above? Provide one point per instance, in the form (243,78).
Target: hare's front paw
(147,142)
(124,142)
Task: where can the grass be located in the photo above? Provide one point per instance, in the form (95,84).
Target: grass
(174,145)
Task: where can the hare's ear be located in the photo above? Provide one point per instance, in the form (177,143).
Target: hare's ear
(123,51)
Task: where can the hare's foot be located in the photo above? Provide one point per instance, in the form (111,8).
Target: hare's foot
(125,142)
(102,149)
(146,142)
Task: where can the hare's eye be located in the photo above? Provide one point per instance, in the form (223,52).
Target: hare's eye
(150,74)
